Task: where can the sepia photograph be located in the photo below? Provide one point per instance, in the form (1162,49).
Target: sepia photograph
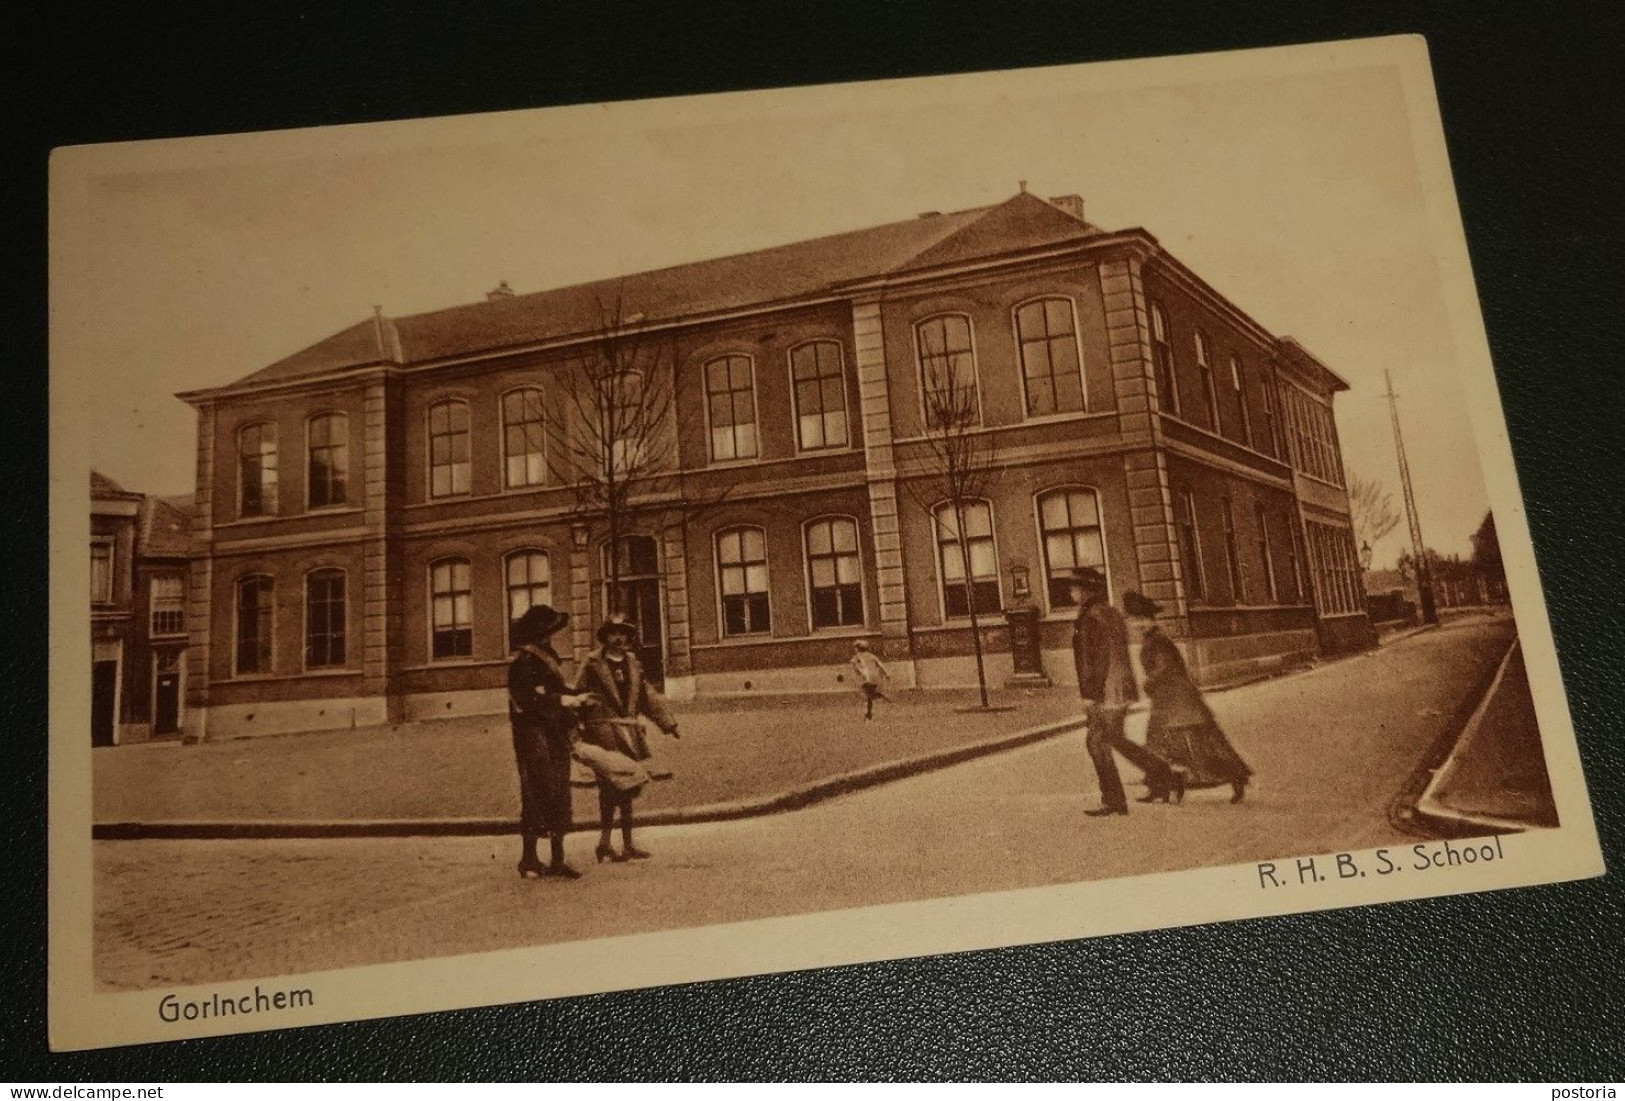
(597,547)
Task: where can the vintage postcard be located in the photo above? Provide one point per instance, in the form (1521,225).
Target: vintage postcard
(583,549)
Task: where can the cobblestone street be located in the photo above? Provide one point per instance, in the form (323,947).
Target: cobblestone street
(1332,748)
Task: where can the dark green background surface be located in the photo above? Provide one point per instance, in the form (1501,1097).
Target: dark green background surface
(1514,984)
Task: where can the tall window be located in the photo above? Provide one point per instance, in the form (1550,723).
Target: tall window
(983,566)
(1272,427)
(1232,555)
(820,393)
(449,465)
(630,427)
(1336,569)
(101,572)
(742,578)
(1239,385)
(529,577)
(1190,547)
(328,466)
(1294,562)
(1210,392)
(254,603)
(1266,554)
(947,371)
(523,449)
(1051,368)
(168,605)
(451,609)
(730,397)
(1162,362)
(324,619)
(256,470)
(835,572)
(1070,522)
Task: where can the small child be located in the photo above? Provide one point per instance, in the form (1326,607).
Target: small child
(871,672)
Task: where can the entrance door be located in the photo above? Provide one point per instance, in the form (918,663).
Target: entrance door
(166,708)
(103,699)
(640,602)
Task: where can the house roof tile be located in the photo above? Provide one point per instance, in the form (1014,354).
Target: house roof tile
(784,274)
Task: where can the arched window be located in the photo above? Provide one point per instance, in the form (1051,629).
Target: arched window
(1189,535)
(730,402)
(820,395)
(451,609)
(523,434)
(327,466)
(633,421)
(254,614)
(324,618)
(256,470)
(1162,362)
(1051,361)
(947,371)
(742,580)
(1238,382)
(834,572)
(529,577)
(1069,522)
(449,466)
(977,548)
(1210,392)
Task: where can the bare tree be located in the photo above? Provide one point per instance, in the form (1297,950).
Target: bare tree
(960,464)
(1371,508)
(617,450)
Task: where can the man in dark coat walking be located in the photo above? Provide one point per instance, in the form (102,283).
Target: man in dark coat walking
(1106,683)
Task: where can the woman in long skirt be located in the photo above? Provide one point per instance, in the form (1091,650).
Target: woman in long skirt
(541,708)
(1182,729)
(620,697)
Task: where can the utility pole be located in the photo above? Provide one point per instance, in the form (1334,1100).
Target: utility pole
(1424,571)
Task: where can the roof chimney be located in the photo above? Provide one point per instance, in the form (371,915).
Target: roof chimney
(502,291)
(1072,204)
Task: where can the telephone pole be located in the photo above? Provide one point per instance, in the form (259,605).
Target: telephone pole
(1424,571)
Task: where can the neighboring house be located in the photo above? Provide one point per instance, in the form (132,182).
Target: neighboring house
(374,508)
(139,561)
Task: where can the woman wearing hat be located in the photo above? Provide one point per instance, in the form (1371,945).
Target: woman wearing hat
(1182,729)
(542,709)
(612,678)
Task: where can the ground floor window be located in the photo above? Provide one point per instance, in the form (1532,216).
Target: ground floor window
(1070,522)
(1190,546)
(1337,570)
(324,619)
(451,600)
(254,602)
(977,556)
(529,577)
(835,572)
(742,579)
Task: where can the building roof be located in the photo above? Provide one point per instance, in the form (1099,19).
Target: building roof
(165,527)
(103,486)
(1313,365)
(785,274)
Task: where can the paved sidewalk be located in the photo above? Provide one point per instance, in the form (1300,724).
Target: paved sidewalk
(1496,775)
(457,770)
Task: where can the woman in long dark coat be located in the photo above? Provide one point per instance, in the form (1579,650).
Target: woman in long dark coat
(541,708)
(612,678)
(1181,729)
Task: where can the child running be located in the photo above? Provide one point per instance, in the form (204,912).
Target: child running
(871,672)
